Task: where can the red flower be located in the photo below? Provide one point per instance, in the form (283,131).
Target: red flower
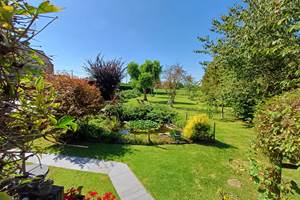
(93,194)
(108,196)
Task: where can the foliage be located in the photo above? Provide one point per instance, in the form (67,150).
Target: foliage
(278,124)
(173,77)
(26,102)
(133,70)
(126,86)
(76,97)
(256,54)
(145,76)
(32,118)
(197,128)
(130,94)
(145,82)
(223,195)
(143,125)
(160,114)
(97,128)
(107,75)
(75,194)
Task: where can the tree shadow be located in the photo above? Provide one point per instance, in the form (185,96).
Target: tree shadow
(96,151)
(218,144)
(165,102)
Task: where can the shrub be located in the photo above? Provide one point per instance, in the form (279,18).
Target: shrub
(160,114)
(143,125)
(98,128)
(76,97)
(107,75)
(278,125)
(130,94)
(126,86)
(197,128)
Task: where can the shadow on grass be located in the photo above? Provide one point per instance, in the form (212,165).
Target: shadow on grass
(96,151)
(218,144)
(176,103)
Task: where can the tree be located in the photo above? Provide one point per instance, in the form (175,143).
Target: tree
(145,83)
(140,74)
(258,47)
(26,102)
(107,75)
(174,75)
(133,70)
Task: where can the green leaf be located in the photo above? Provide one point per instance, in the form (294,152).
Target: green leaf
(4,196)
(47,7)
(39,83)
(66,122)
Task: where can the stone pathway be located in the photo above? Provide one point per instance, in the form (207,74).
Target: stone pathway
(123,179)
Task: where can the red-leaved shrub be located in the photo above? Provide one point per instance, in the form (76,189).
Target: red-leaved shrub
(76,97)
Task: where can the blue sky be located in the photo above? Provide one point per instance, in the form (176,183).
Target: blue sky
(133,30)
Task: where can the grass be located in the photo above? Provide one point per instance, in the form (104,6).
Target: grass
(189,171)
(73,178)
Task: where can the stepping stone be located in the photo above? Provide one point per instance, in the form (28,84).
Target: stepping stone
(234,183)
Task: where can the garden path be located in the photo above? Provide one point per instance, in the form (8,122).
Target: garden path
(123,179)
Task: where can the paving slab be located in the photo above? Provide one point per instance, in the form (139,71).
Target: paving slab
(123,179)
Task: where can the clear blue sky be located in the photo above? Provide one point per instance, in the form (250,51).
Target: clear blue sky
(133,30)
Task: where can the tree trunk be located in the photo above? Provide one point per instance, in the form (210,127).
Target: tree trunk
(145,95)
(23,163)
(276,178)
(222,111)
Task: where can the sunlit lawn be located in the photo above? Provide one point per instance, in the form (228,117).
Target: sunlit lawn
(190,171)
(73,178)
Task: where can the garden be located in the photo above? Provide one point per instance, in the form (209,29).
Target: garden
(235,134)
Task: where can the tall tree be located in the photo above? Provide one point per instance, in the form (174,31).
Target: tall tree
(258,49)
(140,75)
(107,74)
(133,70)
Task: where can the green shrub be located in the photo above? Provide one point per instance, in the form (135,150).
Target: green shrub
(143,125)
(125,86)
(160,114)
(278,125)
(129,94)
(98,128)
(198,128)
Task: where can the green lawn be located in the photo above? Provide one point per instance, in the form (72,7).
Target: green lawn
(190,171)
(73,178)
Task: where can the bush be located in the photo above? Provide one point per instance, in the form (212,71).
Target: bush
(98,128)
(197,128)
(143,125)
(278,126)
(126,86)
(160,114)
(107,75)
(130,94)
(76,97)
